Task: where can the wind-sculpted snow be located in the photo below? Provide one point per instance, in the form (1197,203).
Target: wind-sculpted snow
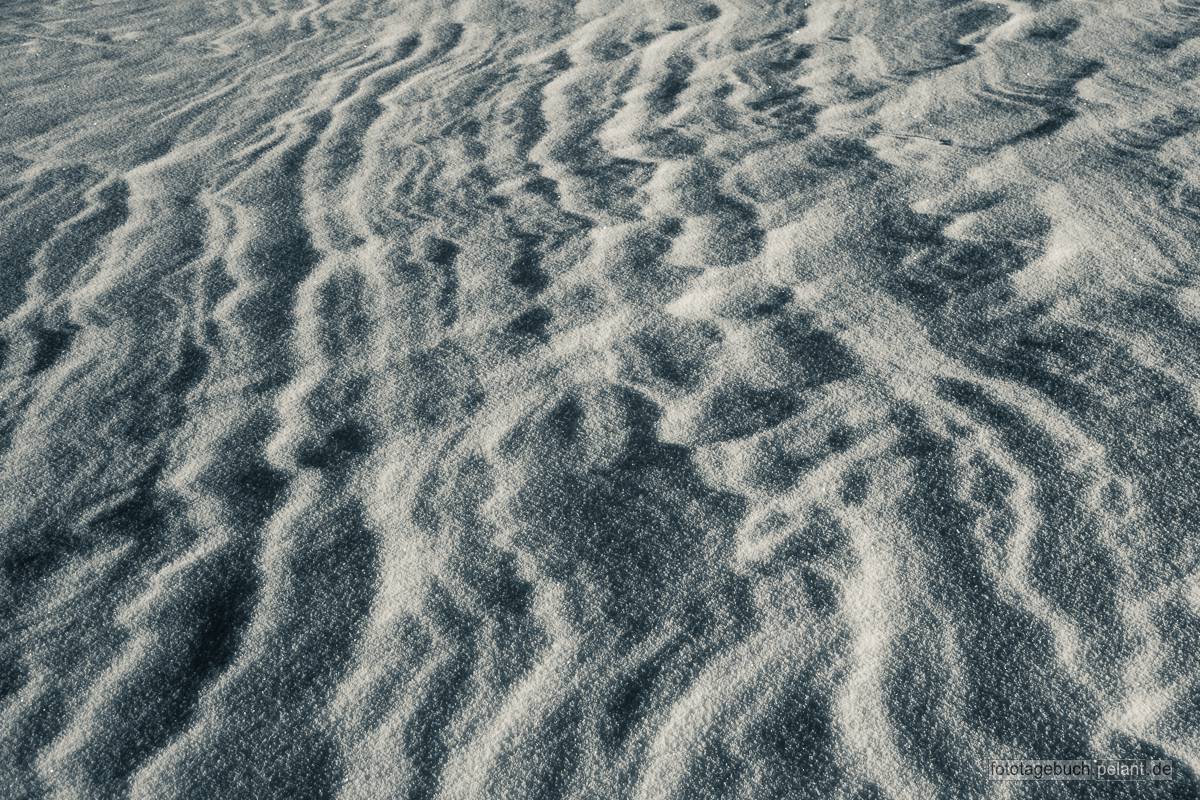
(651,400)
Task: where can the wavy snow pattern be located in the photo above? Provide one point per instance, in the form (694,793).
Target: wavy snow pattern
(499,399)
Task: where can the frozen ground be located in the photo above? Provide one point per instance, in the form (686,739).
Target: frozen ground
(527,400)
